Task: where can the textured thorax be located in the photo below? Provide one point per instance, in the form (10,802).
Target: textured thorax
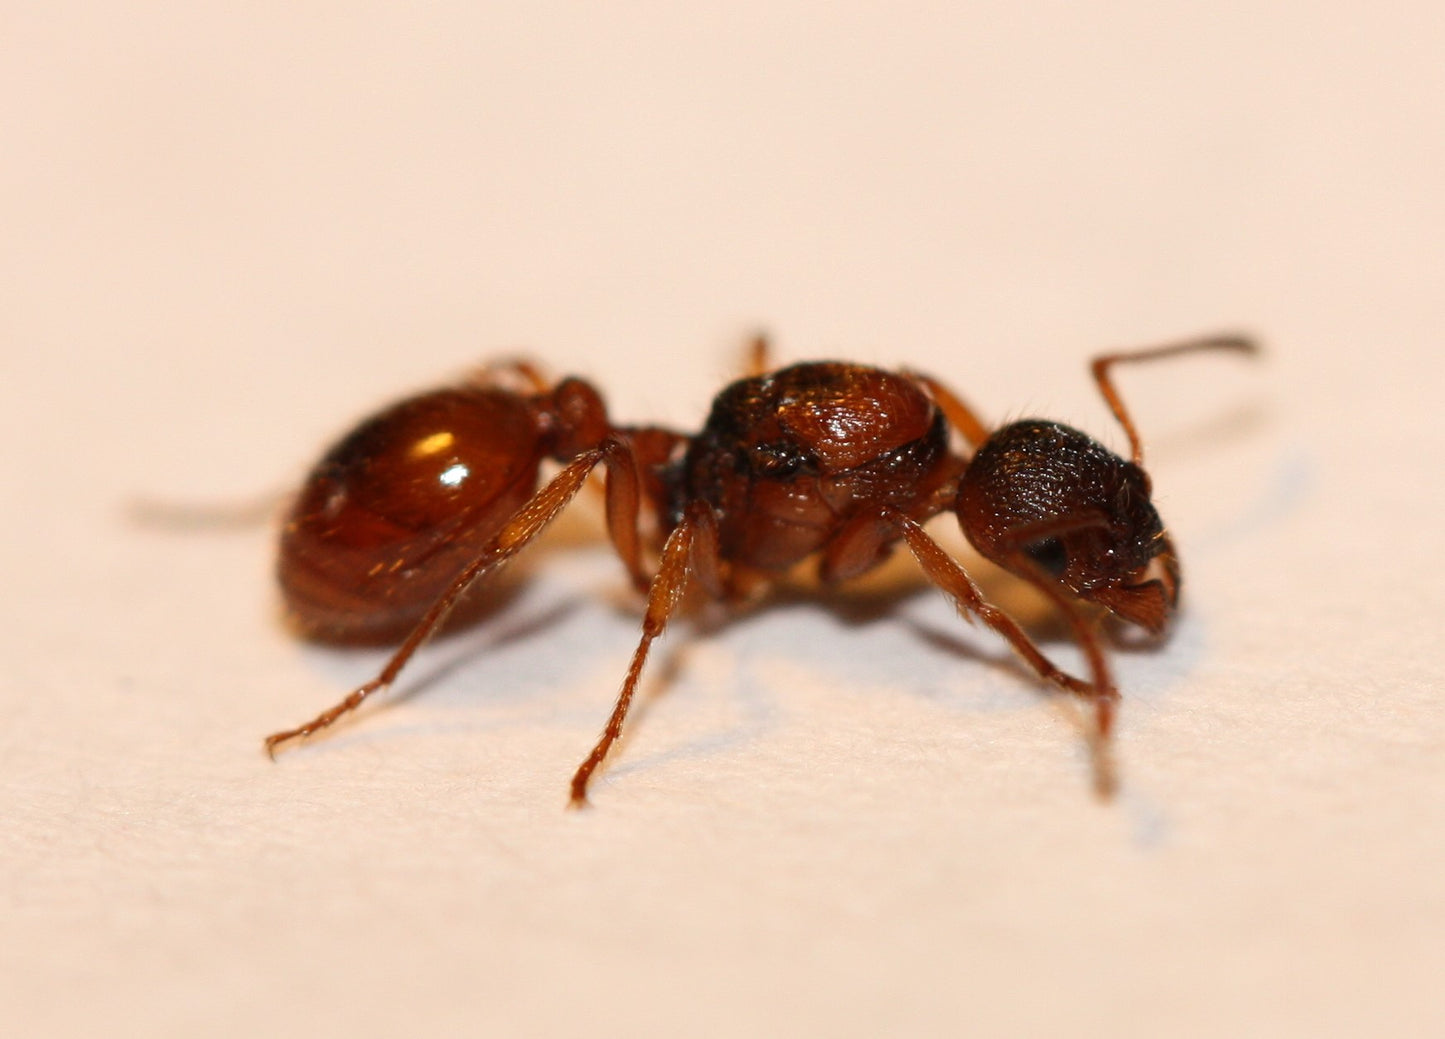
(786,458)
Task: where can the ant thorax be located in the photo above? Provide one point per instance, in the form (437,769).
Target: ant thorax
(786,458)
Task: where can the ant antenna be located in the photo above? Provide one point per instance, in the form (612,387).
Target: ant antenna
(1101,366)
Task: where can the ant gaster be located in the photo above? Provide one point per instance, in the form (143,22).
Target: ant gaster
(837,462)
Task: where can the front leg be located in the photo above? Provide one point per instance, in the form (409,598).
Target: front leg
(945,572)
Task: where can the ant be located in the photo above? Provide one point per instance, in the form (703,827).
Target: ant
(823,460)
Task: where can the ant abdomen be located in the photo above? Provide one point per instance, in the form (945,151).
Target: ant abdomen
(1043,499)
(398,506)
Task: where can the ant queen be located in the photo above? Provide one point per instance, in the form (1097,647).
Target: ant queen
(822,460)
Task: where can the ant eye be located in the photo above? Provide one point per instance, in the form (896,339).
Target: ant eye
(1049,554)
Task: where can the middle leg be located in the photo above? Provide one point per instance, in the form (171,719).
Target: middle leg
(694,534)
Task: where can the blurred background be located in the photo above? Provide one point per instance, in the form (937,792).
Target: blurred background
(231,232)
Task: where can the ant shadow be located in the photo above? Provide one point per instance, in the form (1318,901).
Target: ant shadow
(510,614)
(522,630)
(873,601)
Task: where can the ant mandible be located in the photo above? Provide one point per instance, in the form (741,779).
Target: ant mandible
(832,461)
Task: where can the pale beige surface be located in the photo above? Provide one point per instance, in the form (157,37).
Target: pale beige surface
(226,235)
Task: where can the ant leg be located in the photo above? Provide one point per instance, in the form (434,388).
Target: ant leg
(860,544)
(511,369)
(757,362)
(1100,367)
(624,505)
(959,414)
(708,570)
(697,530)
(529,521)
(1014,559)
(945,572)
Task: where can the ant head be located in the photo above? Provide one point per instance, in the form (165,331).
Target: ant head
(1044,500)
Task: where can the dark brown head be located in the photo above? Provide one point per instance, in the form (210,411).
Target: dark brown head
(1046,501)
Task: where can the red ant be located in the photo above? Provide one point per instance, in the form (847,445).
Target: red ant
(832,461)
